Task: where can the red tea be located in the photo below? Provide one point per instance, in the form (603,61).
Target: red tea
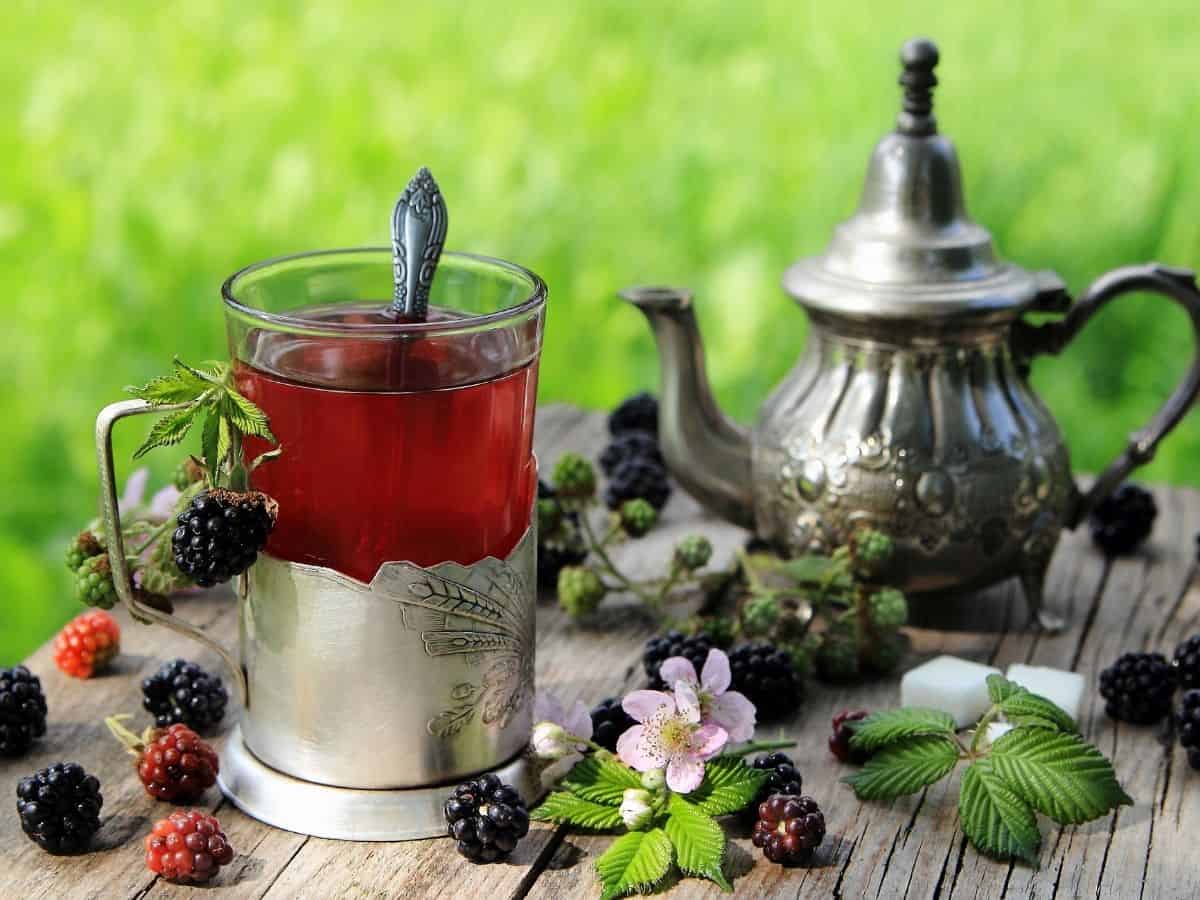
(395,448)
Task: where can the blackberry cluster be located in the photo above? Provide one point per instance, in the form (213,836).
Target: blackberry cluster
(1188,722)
(1122,520)
(1137,688)
(1187,663)
(22,710)
(839,740)
(765,674)
(788,829)
(674,643)
(487,818)
(638,479)
(633,460)
(59,807)
(220,534)
(784,778)
(181,691)
(559,541)
(630,445)
(609,722)
(636,413)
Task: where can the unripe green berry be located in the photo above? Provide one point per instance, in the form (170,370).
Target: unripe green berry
(637,517)
(580,590)
(759,615)
(84,546)
(837,657)
(94,583)
(886,652)
(574,477)
(693,552)
(720,630)
(888,608)
(871,551)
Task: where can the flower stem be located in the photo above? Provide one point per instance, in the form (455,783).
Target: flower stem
(154,536)
(609,566)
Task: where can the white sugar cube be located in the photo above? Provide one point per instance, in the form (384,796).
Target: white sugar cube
(955,686)
(1063,689)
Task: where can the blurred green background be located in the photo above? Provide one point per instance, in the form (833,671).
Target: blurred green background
(148,150)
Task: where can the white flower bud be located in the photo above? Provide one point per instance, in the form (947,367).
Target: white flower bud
(636,811)
(549,741)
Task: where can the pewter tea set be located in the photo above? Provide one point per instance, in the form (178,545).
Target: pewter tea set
(371,678)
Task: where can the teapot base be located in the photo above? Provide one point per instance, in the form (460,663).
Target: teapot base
(346,814)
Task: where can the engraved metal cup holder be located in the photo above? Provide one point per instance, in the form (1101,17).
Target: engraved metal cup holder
(361,701)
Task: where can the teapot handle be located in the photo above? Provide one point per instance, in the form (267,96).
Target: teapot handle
(1177,284)
(122,581)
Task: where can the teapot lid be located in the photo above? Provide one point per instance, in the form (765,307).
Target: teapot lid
(910,250)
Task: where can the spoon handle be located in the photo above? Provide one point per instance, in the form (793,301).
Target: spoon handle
(418,233)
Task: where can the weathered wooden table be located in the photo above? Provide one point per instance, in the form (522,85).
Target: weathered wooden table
(912,847)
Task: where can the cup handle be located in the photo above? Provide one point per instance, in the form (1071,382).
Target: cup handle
(1176,284)
(122,580)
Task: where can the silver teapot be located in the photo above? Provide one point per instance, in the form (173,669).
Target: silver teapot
(909,409)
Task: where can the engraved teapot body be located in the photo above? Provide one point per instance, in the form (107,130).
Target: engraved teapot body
(909,409)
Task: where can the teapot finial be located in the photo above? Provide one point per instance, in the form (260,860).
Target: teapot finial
(919,56)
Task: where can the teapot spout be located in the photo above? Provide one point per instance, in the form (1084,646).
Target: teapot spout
(708,453)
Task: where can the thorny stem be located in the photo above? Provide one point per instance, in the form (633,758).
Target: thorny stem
(609,566)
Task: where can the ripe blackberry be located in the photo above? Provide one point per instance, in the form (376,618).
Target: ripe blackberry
(220,534)
(187,846)
(638,479)
(765,674)
(1138,688)
(609,722)
(1188,722)
(839,741)
(636,413)
(1187,663)
(22,710)
(784,778)
(174,763)
(487,818)
(630,445)
(1123,519)
(181,691)
(788,829)
(87,644)
(674,643)
(59,807)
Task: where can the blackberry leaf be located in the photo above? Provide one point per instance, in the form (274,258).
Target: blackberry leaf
(1060,775)
(888,726)
(995,819)
(566,809)
(246,417)
(634,863)
(729,785)
(904,768)
(601,780)
(699,841)
(1022,707)
(169,430)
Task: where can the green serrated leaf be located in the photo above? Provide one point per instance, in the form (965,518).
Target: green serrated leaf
(224,441)
(904,768)
(729,785)
(168,430)
(634,863)
(809,569)
(600,779)
(245,416)
(1058,774)
(699,841)
(995,818)
(174,388)
(209,443)
(565,808)
(1023,707)
(882,728)
(211,371)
